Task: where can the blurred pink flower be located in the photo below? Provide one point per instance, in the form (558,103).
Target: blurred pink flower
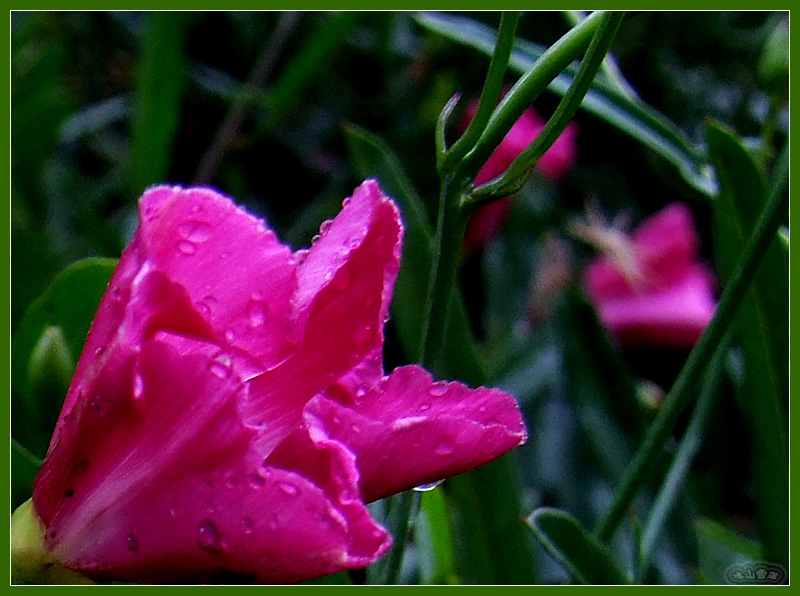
(553,165)
(230,416)
(655,292)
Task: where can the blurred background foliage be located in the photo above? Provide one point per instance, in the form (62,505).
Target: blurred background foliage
(104,104)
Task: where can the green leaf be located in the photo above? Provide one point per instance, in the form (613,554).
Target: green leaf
(160,80)
(586,558)
(69,303)
(719,548)
(763,332)
(604,99)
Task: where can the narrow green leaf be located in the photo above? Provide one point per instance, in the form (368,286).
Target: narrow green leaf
(604,99)
(69,303)
(160,79)
(763,331)
(586,558)
(719,548)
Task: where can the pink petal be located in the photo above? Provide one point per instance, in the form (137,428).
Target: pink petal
(674,316)
(665,245)
(102,385)
(344,289)
(167,488)
(237,273)
(411,431)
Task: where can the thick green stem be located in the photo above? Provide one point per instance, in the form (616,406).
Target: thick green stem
(770,220)
(449,236)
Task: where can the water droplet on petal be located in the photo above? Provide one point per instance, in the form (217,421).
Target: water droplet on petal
(208,539)
(133,543)
(444,446)
(424,407)
(301,255)
(220,366)
(325,226)
(138,386)
(289,489)
(314,239)
(171,512)
(186,247)
(438,390)
(230,335)
(257,481)
(256,313)
(249,524)
(428,486)
(195,231)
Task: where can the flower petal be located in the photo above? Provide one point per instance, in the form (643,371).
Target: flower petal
(412,431)
(673,316)
(176,494)
(239,276)
(342,300)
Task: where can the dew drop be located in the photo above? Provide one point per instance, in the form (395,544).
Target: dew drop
(301,255)
(187,248)
(314,239)
(257,481)
(230,335)
(438,390)
(208,539)
(289,489)
(171,513)
(138,386)
(220,366)
(195,231)
(133,543)
(249,524)
(325,226)
(428,486)
(444,446)
(424,407)
(256,312)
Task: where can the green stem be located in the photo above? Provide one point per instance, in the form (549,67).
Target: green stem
(491,90)
(678,397)
(519,171)
(450,228)
(518,99)
(402,509)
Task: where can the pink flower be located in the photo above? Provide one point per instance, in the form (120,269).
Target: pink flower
(657,292)
(553,165)
(230,417)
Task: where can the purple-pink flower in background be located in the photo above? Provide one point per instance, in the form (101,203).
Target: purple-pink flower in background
(553,165)
(230,417)
(655,291)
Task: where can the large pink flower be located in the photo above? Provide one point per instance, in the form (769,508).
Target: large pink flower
(665,295)
(230,417)
(553,165)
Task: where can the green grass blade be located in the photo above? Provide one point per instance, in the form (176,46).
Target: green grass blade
(763,328)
